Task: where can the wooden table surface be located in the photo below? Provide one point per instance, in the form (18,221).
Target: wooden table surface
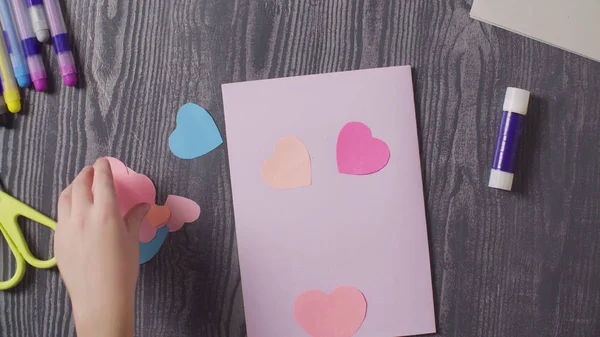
(525,263)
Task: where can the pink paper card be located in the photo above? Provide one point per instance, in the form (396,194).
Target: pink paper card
(365,231)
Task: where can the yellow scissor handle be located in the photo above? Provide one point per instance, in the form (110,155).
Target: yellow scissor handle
(10,210)
(18,276)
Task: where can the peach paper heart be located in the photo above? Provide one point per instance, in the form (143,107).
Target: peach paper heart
(339,314)
(158,215)
(181,211)
(289,167)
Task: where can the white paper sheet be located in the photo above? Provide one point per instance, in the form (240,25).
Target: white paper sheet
(573,25)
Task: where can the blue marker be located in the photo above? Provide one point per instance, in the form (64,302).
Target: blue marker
(13,43)
(509,137)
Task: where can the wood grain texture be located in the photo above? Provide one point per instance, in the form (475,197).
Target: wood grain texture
(504,264)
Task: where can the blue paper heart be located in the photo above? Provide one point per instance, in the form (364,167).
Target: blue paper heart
(148,250)
(196,133)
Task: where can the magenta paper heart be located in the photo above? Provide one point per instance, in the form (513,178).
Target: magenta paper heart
(339,314)
(183,210)
(358,153)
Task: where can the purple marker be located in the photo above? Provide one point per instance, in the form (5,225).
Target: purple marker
(60,39)
(2,104)
(31,46)
(509,137)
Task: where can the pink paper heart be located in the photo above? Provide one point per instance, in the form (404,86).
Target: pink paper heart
(358,153)
(117,167)
(339,314)
(132,188)
(183,210)
(289,167)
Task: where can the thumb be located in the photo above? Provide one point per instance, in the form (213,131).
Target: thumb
(134,218)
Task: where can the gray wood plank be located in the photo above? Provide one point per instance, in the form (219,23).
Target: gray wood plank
(504,264)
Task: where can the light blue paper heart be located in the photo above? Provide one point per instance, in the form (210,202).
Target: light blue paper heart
(150,249)
(196,133)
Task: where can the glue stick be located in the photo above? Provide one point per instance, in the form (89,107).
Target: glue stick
(509,137)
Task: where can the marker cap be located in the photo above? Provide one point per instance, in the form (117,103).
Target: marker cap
(516,100)
(501,180)
(12,100)
(42,35)
(22,76)
(13,106)
(23,80)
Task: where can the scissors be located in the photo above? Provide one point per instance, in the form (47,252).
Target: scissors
(10,210)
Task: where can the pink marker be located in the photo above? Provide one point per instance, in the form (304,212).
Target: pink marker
(31,46)
(60,39)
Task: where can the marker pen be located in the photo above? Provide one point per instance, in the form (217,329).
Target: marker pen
(60,39)
(509,137)
(13,45)
(38,20)
(31,46)
(12,98)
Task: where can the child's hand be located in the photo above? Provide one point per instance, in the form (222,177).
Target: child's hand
(97,252)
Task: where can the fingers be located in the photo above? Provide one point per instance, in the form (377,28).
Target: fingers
(104,188)
(134,218)
(82,197)
(64,203)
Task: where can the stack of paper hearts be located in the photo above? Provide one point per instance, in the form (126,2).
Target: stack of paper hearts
(132,189)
